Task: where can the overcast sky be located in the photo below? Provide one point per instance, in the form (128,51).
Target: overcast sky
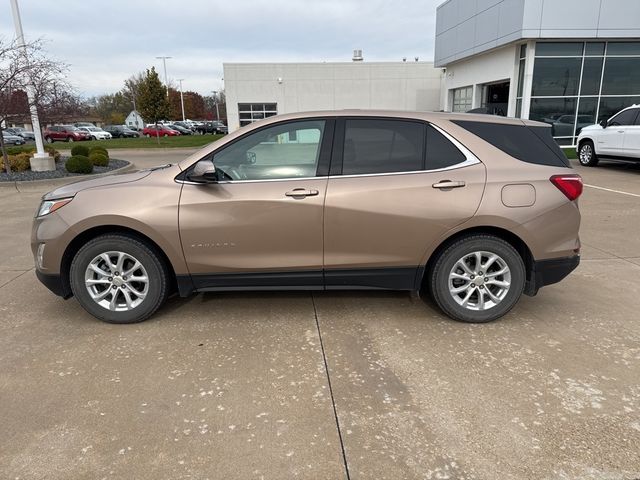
(104,42)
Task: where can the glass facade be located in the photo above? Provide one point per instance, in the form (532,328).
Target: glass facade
(576,84)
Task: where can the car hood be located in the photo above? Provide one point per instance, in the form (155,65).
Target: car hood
(71,189)
(591,128)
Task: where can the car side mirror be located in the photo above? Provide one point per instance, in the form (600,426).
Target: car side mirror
(203,172)
(604,124)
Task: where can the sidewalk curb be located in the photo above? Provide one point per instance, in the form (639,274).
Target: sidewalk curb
(27,185)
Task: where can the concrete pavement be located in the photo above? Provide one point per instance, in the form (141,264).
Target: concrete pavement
(293,385)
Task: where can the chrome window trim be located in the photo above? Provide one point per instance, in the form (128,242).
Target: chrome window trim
(471,159)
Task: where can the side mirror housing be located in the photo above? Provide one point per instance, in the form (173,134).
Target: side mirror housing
(603,123)
(203,172)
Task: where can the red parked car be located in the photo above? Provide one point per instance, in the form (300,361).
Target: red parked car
(65,133)
(159,131)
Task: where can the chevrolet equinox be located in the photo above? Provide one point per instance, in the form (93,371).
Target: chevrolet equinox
(473,209)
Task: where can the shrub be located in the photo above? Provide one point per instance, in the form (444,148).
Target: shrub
(79,164)
(99,149)
(79,150)
(98,159)
(18,162)
(31,149)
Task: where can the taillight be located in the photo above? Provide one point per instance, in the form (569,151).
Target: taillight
(570,185)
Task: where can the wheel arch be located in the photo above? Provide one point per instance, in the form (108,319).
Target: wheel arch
(514,240)
(91,233)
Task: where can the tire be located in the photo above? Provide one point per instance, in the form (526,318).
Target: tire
(48,139)
(165,135)
(129,307)
(465,249)
(70,139)
(147,135)
(587,154)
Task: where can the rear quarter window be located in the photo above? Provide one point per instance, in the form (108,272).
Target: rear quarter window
(526,143)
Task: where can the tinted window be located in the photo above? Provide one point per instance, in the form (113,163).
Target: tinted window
(556,76)
(441,153)
(382,146)
(529,144)
(594,48)
(621,76)
(591,74)
(609,106)
(287,150)
(559,49)
(623,48)
(628,117)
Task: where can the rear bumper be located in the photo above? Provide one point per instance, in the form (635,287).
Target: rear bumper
(548,272)
(55,284)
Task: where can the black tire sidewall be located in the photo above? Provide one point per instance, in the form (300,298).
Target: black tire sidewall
(440,278)
(147,257)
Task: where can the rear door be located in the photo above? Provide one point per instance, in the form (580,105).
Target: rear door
(395,187)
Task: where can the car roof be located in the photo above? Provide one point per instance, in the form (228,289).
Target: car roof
(401,114)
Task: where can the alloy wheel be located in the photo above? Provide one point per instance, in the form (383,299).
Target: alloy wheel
(479,280)
(116,281)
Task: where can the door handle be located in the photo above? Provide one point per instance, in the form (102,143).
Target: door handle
(447,184)
(301,192)
(621,131)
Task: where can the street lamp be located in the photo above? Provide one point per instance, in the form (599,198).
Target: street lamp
(181,97)
(41,161)
(164,64)
(215,101)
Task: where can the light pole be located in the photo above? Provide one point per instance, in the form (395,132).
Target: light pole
(164,64)
(215,101)
(41,161)
(181,97)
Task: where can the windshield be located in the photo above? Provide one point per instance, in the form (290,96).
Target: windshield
(94,129)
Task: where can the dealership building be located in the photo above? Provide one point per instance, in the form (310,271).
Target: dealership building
(569,63)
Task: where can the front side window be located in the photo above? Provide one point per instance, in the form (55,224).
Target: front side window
(628,117)
(382,146)
(289,150)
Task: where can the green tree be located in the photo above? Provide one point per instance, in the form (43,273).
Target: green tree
(152,98)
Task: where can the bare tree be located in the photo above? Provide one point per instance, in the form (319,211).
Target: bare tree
(23,67)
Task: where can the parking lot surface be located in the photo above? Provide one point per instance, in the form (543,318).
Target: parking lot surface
(329,385)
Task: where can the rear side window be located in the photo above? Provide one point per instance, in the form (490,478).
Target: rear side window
(441,153)
(382,146)
(528,144)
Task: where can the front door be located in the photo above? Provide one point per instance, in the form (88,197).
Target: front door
(260,226)
(611,139)
(403,184)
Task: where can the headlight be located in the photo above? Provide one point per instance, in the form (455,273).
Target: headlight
(49,206)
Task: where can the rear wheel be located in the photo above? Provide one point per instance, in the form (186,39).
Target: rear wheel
(70,139)
(48,139)
(477,279)
(119,279)
(587,154)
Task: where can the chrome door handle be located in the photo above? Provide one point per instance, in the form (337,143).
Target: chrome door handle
(446,184)
(302,192)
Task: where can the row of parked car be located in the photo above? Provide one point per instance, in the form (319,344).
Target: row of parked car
(186,127)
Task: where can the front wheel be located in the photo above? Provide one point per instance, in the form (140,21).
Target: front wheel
(48,139)
(147,135)
(119,279)
(587,154)
(477,279)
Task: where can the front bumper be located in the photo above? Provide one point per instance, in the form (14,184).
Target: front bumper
(548,272)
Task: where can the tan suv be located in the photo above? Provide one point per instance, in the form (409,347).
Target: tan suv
(475,209)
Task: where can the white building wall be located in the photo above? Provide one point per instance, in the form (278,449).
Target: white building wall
(495,66)
(297,87)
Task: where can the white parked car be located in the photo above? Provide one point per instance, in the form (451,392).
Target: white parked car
(96,133)
(615,139)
